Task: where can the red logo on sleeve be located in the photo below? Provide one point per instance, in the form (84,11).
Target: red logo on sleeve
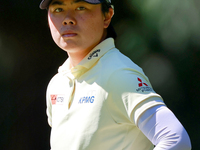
(143,87)
(141,83)
(57,99)
(53,99)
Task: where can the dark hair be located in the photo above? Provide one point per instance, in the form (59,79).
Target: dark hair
(105,7)
(110,30)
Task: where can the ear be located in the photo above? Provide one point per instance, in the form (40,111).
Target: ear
(108,17)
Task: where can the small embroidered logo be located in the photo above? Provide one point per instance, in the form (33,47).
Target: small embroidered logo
(141,83)
(143,86)
(94,54)
(57,99)
(53,99)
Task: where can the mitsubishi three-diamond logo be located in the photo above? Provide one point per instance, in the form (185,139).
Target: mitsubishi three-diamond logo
(141,83)
(143,86)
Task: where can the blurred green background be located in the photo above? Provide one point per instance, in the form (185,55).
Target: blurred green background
(162,37)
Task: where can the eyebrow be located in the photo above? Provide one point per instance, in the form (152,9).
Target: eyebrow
(76,1)
(57,2)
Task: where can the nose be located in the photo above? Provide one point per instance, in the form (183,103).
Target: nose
(69,20)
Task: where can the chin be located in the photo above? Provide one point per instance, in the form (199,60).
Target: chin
(67,45)
(70,48)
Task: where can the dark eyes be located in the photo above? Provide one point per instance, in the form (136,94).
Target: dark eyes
(57,10)
(81,8)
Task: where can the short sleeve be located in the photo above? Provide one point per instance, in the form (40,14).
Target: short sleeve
(132,93)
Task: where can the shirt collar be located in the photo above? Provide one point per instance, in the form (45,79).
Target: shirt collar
(89,60)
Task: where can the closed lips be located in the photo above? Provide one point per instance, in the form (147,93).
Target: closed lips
(69,35)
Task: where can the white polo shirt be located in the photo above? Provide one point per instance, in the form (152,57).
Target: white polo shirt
(96,105)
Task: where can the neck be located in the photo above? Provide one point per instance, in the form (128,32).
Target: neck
(77,57)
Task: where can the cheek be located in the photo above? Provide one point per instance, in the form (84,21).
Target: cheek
(54,31)
(93,25)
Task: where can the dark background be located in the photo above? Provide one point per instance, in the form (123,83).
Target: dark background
(163,37)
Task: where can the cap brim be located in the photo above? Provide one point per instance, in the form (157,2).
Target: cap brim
(44,4)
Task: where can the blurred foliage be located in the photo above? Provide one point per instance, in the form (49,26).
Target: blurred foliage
(160,36)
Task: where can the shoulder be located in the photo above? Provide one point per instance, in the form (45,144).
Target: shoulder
(121,70)
(114,56)
(121,67)
(115,60)
(129,80)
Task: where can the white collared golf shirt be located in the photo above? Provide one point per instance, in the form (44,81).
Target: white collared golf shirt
(91,106)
